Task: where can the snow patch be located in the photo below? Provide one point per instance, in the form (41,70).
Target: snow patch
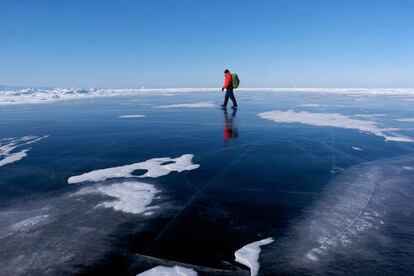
(189,105)
(248,255)
(407,120)
(369,115)
(155,167)
(8,146)
(129,197)
(314,105)
(332,120)
(131,116)
(28,223)
(169,271)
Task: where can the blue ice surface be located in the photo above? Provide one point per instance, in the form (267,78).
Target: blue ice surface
(265,179)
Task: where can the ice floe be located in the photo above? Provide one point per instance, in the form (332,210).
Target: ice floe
(249,255)
(188,105)
(333,120)
(15,149)
(356,148)
(132,116)
(129,197)
(169,271)
(155,167)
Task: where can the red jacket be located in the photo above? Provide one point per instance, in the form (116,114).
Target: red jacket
(228,80)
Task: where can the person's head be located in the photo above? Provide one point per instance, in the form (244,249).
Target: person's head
(226,71)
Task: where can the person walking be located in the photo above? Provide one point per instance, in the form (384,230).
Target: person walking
(228,85)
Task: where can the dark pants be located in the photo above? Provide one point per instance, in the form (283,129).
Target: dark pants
(230,94)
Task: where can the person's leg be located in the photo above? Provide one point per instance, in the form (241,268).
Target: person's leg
(226,98)
(233,99)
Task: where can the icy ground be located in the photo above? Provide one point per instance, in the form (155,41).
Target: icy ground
(163,182)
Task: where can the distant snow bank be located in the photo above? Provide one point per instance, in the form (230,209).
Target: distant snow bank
(33,96)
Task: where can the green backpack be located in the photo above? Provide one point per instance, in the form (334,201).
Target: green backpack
(236,80)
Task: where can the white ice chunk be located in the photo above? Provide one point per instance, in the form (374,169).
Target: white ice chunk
(249,255)
(155,168)
(332,120)
(169,271)
(129,197)
(189,105)
(132,116)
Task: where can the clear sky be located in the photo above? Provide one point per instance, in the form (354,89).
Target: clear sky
(189,43)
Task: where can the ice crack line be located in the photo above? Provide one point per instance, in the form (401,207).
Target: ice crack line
(346,229)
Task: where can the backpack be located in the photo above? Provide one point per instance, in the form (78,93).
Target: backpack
(236,80)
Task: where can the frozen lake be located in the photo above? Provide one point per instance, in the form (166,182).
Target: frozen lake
(323,182)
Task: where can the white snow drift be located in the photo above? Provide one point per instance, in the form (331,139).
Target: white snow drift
(332,120)
(155,167)
(249,255)
(169,271)
(129,197)
(8,147)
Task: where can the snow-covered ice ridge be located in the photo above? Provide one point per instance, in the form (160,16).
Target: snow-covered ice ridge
(15,149)
(34,95)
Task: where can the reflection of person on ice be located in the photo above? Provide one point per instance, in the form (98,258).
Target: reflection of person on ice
(230,128)
(228,85)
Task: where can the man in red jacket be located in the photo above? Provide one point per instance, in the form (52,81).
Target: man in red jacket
(228,85)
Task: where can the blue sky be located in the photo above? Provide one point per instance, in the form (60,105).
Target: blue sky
(188,43)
